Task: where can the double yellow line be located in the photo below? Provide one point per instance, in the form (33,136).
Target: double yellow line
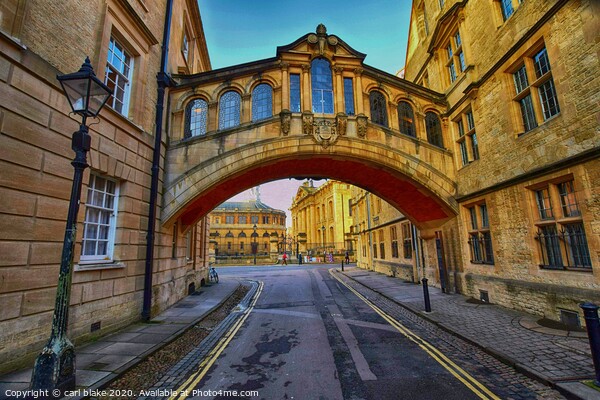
(460,374)
(183,391)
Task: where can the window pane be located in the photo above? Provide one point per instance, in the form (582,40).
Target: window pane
(520,77)
(567,199)
(474,146)
(527,113)
(543,202)
(349,96)
(118,76)
(548,99)
(463,152)
(229,110)
(507,9)
(484,216)
(295,93)
(378,108)
(322,86)
(452,71)
(542,65)
(406,119)
(550,247)
(196,117)
(99,223)
(262,102)
(473,215)
(577,244)
(434,129)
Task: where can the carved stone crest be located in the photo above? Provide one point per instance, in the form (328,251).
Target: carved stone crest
(341,121)
(285,116)
(325,132)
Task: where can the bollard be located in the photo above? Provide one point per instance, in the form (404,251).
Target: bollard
(426,295)
(592,323)
(342,265)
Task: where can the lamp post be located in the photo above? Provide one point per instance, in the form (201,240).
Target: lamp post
(254,244)
(55,366)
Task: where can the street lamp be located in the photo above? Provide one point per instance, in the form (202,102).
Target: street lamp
(55,366)
(254,244)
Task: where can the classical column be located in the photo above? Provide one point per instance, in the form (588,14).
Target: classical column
(359,91)
(306,93)
(338,90)
(285,86)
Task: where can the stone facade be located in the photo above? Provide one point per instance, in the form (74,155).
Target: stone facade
(321,219)
(36,175)
(517,162)
(236,226)
(384,237)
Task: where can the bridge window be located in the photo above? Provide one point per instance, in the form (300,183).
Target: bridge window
(348,96)
(322,86)
(229,110)
(295,103)
(434,129)
(262,102)
(406,119)
(378,108)
(195,118)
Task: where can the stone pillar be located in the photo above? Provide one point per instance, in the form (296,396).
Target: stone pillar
(420,130)
(306,93)
(212,116)
(338,90)
(246,108)
(360,109)
(285,87)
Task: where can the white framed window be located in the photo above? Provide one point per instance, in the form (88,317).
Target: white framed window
(119,70)
(100,220)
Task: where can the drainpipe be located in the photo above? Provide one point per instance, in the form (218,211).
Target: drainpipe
(164,81)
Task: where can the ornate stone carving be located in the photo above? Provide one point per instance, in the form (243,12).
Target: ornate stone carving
(361,125)
(341,121)
(285,116)
(322,38)
(307,123)
(325,132)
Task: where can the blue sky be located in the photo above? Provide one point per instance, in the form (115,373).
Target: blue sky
(239,31)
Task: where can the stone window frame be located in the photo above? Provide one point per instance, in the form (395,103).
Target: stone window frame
(525,81)
(479,232)
(188,132)
(313,76)
(406,123)
(265,101)
(553,225)
(433,136)
(502,10)
(406,240)
(394,241)
(106,257)
(466,134)
(138,40)
(378,103)
(227,115)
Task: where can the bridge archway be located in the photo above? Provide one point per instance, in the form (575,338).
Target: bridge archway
(423,193)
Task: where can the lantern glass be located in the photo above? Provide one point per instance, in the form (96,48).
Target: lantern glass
(85,92)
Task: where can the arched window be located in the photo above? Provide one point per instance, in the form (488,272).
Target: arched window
(229,110)
(378,108)
(242,235)
(195,118)
(433,126)
(406,119)
(262,102)
(322,86)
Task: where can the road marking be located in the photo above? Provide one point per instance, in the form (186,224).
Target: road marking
(187,387)
(474,385)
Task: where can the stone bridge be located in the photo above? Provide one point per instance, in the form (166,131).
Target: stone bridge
(315,110)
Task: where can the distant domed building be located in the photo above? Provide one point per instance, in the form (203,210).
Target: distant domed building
(236,227)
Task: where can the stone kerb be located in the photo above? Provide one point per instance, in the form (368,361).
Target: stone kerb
(225,157)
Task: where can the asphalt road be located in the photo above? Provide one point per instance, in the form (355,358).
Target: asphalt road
(309,336)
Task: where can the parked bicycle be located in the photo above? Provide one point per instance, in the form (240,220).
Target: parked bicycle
(212,275)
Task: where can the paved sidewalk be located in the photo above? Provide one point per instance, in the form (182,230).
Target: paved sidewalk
(558,358)
(106,358)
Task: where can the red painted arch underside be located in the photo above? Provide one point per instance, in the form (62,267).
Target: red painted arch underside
(417,203)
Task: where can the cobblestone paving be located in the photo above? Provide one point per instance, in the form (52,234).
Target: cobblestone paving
(554,358)
(500,378)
